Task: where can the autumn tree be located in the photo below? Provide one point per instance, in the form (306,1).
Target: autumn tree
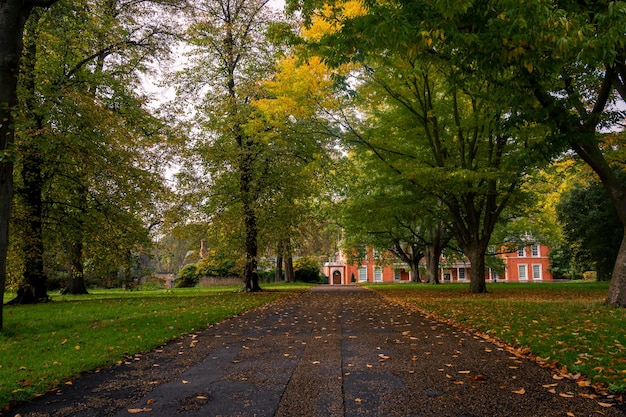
(78,110)
(13,17)
(558,64)
(392,215)
(303,168)
(229,57)
(440,126)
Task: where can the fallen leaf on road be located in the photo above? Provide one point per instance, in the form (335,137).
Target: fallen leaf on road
(520,391)
(565,395)
(139,410)
(357,400)
(477,378)
(465,372)
(570,414)
(549,385)
(607,405)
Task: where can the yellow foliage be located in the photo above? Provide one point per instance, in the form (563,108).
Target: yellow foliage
(330,19)
(298,89)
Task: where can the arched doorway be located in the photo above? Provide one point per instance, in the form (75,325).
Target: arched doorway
(336,277)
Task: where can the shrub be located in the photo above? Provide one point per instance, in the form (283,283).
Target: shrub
(267,276)
(217,266)
(306,270)
(187,277)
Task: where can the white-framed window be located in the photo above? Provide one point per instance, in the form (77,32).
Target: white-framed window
(378,274)
(537,272)
(363,274)
(397,274)
(521,253)
(522,272)
(462,275)
(535,251)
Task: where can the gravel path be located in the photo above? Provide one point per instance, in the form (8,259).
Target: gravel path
(331,351)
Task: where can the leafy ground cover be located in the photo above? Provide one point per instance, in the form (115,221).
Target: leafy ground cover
(46,345)
(562,325)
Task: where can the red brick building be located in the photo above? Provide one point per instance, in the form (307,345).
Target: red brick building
(524,265)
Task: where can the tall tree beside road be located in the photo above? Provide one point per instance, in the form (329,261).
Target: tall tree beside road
(13,16)
(557,64)
(229,57)
(78,109)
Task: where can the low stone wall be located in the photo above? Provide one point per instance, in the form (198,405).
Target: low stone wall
(216,281)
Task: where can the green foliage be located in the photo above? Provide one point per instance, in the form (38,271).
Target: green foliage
(307,269)
(267,276)
(592,229)
(560,263)
(85,133)
(188,276)
(216,265)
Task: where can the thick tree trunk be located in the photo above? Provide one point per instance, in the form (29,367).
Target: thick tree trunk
(13,16)
(415,272)
(33,289)
(278,275)
(289,273)
(6,195)
(617,290)
(76,277)
(476,256)
(432,264)
(251,275)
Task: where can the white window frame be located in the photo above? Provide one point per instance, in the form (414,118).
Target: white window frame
(535,251)
(462,274)
(522,272)
(397,275)
(537,273)
(363,273)
(521,253)
(378,274)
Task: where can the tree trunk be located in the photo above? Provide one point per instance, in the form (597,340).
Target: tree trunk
(13,16)
(289,273)
(251,275)
(415,272)
(33,287)
(76,276)
(432,264)
(278,276)
(476,256)
(6,195)
(617,290)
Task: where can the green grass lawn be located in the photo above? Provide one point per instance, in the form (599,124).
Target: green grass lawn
(565,324)
(46,345)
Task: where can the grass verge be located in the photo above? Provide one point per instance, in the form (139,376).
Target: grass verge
(563,324)
(45,345)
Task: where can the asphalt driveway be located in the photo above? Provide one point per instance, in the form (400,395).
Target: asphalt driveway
(331,351)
